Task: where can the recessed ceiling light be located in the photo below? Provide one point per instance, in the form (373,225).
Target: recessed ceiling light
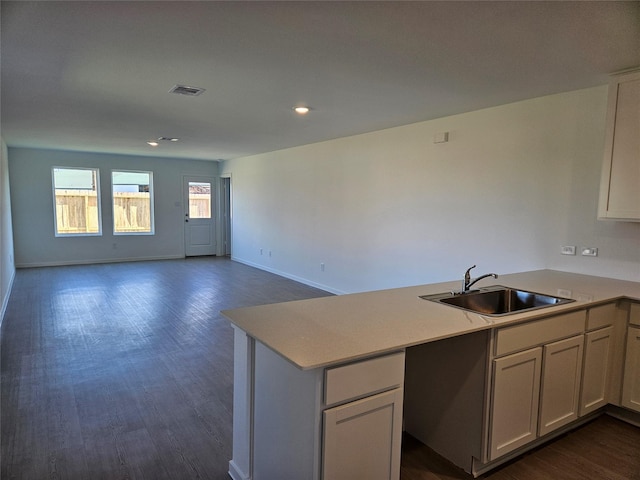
(168,139)
(301,110)
(153,144)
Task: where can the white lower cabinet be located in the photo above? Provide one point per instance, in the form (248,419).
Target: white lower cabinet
(477,399)
(362,438)
(560,389)
(631,388)
(514,408)
(537,390)
(362,421)
(534,392)
(595,374)
(342,422)
(339,422)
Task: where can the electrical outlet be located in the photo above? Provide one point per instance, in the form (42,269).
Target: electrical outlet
(568,250)
(589,252)
(584,297)
(442,137)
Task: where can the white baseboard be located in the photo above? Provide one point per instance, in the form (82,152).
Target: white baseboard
(235,473)
(326,288)
(5,300)
(63,263)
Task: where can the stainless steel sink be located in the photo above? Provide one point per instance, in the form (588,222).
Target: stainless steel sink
(497,300)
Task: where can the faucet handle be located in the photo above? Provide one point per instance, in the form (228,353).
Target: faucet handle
(466,280)
(467,275)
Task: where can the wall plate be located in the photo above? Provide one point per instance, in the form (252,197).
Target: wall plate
(568,250)
(589,252)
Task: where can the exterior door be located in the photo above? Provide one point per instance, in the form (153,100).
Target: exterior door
(199,221)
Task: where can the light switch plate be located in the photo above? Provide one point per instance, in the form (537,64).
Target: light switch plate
(568,250)
(589,252)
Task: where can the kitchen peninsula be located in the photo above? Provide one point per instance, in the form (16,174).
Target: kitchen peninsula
(322,387)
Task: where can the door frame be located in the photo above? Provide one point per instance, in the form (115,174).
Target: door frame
(225,228)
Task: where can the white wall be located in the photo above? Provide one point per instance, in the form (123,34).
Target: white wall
(7,268)
(32,207)
(391,208)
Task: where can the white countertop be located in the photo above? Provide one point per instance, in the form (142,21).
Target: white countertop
(318,332)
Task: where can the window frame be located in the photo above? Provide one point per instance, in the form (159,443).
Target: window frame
(96,172)
(152,230)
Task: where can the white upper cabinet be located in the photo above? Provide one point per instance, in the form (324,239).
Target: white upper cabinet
(620,182)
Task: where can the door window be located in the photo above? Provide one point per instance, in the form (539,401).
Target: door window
(199,200)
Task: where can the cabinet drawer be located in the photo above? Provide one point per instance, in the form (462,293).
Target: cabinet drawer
(601,316)
(538,332)
(634,315)
(363,378)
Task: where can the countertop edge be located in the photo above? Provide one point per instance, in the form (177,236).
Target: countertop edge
(269,329)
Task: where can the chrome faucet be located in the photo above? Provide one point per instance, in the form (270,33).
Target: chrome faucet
(467,282)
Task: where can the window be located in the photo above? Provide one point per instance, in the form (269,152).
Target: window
(76,194)
(132,202)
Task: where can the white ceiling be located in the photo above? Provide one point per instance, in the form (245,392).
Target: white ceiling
(95,76)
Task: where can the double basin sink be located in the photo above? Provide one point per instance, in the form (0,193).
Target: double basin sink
(497,300)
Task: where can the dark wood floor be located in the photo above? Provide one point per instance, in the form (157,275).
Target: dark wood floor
(605,448)
(124,371)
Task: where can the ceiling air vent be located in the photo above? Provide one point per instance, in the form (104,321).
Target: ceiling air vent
(185,90)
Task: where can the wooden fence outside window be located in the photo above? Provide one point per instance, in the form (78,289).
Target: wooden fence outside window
(77,211)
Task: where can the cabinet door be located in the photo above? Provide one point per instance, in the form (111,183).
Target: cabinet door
(560,383)
(514,403)
(620,183)
(595,374)
(362,439)
(631,386)
(634,314)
